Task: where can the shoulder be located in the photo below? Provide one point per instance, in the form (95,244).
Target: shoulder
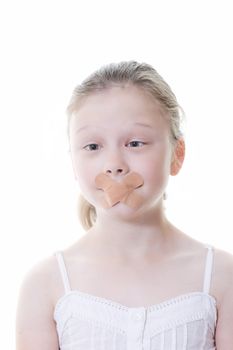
(223,257)
(35,327)
(42,282)
(41,271)
(39,279)
(223,274)
(222,268)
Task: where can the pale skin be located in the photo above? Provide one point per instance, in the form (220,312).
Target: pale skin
(137,247)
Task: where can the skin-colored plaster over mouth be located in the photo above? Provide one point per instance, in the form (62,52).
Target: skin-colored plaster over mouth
(123,191)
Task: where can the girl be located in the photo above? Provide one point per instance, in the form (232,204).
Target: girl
(134,281)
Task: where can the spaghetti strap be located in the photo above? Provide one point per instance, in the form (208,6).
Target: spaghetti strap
(208,269)
(62,268)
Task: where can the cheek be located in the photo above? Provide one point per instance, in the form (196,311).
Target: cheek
(156,168)
(84,171)
(84,178)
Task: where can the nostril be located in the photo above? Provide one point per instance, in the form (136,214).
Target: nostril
(117,170)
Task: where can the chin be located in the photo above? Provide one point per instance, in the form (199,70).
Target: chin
(122,211)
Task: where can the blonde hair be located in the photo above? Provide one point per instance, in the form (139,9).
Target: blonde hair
(142,75)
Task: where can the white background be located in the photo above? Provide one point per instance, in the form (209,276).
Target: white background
(47,47)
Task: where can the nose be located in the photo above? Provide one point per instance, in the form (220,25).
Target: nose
(116,166)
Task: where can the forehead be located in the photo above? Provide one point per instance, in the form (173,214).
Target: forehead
(117,105)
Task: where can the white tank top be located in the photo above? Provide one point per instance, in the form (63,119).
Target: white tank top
(88,322)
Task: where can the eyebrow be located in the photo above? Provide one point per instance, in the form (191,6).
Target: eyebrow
(137,123)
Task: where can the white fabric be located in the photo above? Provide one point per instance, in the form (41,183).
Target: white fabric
(88,322)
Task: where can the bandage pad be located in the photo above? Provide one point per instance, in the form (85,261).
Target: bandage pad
(123,191)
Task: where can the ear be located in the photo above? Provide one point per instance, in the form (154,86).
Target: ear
(177,157)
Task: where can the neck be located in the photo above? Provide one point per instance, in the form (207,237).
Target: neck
(135,237)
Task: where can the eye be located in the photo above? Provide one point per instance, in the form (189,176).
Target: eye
(91,147)
(136,143)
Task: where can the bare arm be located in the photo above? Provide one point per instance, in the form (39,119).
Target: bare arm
(35,327)
(224,329)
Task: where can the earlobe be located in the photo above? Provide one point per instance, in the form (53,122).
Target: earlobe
(178,157)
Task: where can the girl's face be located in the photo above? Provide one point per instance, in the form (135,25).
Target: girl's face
(118,131)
